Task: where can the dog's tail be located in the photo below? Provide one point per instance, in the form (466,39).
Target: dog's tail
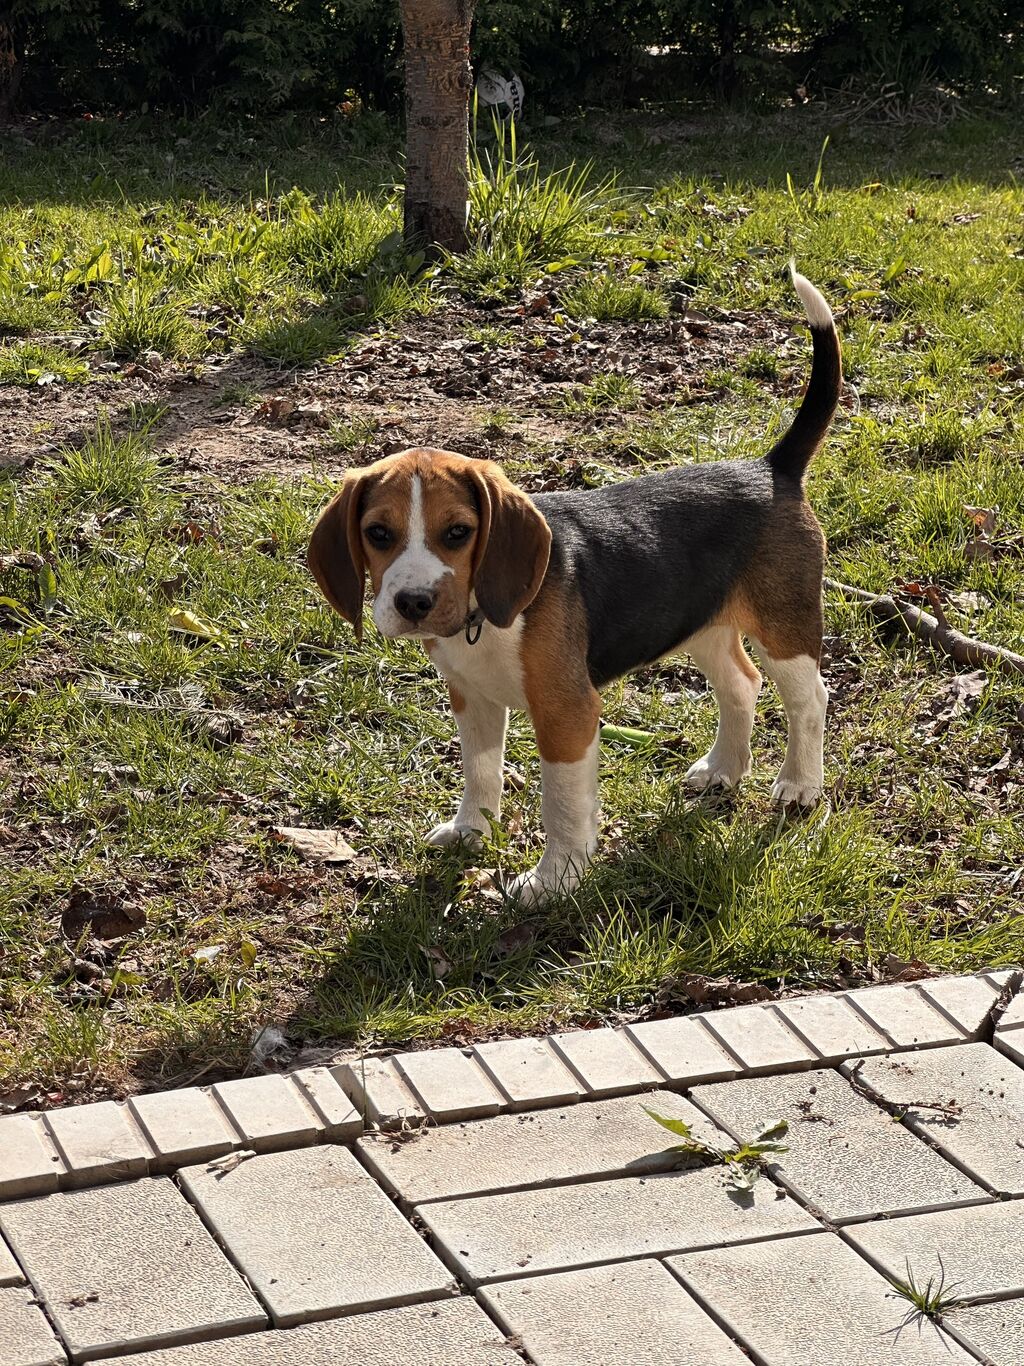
(793,452)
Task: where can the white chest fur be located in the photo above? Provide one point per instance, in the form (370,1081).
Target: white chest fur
(492,666)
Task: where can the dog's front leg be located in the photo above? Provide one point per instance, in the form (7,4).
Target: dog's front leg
(568,744)
(482,727)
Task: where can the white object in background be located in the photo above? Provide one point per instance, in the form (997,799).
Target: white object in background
(493,91)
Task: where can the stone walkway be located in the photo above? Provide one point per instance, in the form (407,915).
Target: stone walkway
(515,1202)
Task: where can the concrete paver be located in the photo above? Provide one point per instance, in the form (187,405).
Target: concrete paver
(757,1038)
(1011,1042)
(449,1085)
(10,1271)
(340,1117)
(1013,1016)
(29,1164)
(127,1265)
(967,1001)
(978,1250)
(905,1016)
(684,1050)
(315,1235)
(185,1125)
(446,1333)
(605,1062)
(378,1092)
(528,1072)
(635,1312)
(525,1232)
(847,1157)
(813,1299)
(969,1101)
(98,1143)
(829,1027)
(994,1331)
(594,1138)
(26,1339)
(269,1112)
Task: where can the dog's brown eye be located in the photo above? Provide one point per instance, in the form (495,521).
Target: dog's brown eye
(377,535)
(455,535)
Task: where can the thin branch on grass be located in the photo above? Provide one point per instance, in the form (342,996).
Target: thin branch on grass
(933,630)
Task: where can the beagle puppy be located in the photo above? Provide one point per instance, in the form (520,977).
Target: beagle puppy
(538,603)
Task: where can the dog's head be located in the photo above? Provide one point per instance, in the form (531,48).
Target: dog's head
(439,535)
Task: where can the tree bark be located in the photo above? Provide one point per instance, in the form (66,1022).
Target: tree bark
(437,82)
(10,71)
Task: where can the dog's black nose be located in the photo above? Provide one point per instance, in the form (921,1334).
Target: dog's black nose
(415,603)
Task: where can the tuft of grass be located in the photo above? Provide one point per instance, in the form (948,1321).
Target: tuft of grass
(521,217)
(106,471)
(760,363)
(142,316)
(352,433)
(28,363)
(610,298)
(602,394)
(929,1300)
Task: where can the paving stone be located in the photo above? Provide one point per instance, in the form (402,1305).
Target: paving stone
(29,1164)
(967,1001)
(904,1016)
(1012,1044)
(340,1117)
(315,1235)
(127,1266)
(524,1232)
(594,1138)
(634,1312)
(446,1333)
(183,1126)
(813,1299)
(994,1331)
(528,1072)
(26,1339)
(449,1085)
(983,1136)
(977,1249)
(10,1271)
(758,1039)
(98,1143)
(268,1112)
(683,1049)
(830,1028)
(1013,1016)
(378,1092)
(1005,977)
(605,1062)
(847,1157)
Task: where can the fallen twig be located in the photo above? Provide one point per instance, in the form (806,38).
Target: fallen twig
(933,630)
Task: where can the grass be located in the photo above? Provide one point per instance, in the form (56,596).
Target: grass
(145,766)
(29,363)
(929,1300)
(607,298)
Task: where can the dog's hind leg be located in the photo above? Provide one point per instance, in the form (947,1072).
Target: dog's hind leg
(482,733)
(719,654)
(805,697)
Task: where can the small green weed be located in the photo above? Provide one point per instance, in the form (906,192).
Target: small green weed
(760,363)
(498,421)
(106,471)
(744,1163)
(492,337)
(928,1301)
(239,394)
(602,393)
(610,298)
(142,317)
(352,433)
(27,363)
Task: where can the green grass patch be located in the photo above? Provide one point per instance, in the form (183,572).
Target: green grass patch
(172,684)
(608,298)
(28,363)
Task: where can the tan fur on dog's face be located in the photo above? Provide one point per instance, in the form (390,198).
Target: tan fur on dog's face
(438,534)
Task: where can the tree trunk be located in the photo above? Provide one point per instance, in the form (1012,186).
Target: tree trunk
(437,81)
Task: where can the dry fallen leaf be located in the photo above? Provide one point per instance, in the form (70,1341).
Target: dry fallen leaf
(318,846)
(276,410)
(188,624)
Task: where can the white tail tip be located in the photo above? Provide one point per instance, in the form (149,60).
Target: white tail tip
(818,312)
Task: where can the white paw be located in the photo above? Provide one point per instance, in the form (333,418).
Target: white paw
(555,878)
(798,791)
(450,834)
(711,771)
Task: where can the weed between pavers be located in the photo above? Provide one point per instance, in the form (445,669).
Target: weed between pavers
(928,1301)
(744,1164)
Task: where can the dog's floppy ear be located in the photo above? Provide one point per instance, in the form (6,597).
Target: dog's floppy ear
(513,545)
(335,555)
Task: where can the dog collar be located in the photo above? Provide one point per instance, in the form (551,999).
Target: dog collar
(474,624)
